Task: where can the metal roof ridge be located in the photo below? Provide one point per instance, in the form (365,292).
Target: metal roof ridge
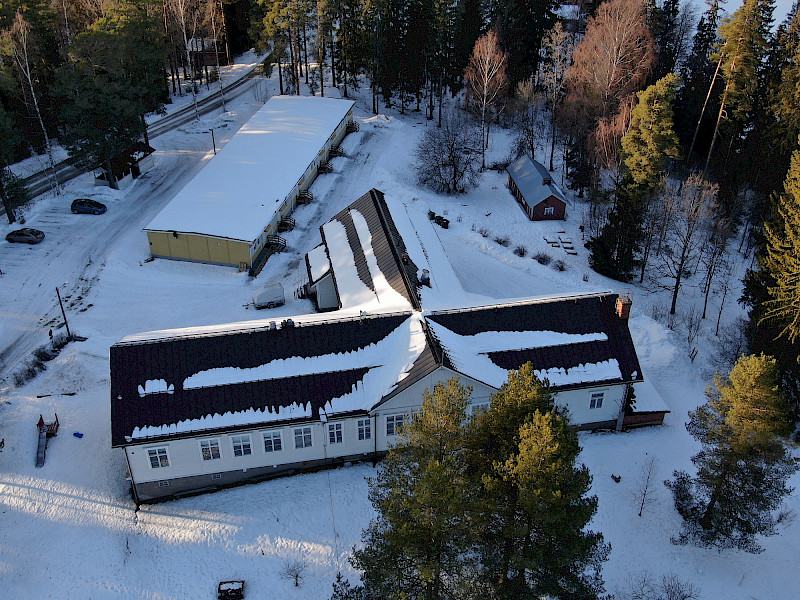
(521,302)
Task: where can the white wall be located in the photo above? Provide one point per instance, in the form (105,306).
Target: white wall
(410,400)
(578,404)
(186,459)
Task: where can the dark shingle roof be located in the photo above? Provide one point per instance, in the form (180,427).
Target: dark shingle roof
(175,358)
(574,315)
(387,246)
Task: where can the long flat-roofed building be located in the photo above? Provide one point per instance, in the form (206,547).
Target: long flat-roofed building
(226,214)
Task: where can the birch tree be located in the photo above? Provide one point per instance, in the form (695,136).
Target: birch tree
(23,52)
(487,82)
(557,45)
(187,16)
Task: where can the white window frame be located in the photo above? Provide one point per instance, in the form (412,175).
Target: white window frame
(364,429)
(161,454)
(392,422)
(244,443)
(549,210)
(272,437)
(596,400)
(335,433)
(210,444)
(303,437)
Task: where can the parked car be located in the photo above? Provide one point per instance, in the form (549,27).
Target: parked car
(26,236)
(87,206)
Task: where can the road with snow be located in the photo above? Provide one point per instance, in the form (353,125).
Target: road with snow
(75,249)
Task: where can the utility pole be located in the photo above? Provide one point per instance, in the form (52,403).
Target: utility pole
(61,304)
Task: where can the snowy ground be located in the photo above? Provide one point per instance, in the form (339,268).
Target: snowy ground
(70,529)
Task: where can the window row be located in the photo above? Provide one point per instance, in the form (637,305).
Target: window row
(241,445)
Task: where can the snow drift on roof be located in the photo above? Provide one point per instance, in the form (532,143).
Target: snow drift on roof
(318,263)
(386,363)
(240,190)
(469,354)
(353,290)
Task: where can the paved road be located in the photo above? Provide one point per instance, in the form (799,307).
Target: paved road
(42,182)
(73,254)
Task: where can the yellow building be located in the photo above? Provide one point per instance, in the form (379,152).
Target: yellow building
(226,214)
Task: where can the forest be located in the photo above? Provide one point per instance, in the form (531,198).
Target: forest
(677,123)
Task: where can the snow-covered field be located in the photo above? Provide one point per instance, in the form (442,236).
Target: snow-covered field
(70,529)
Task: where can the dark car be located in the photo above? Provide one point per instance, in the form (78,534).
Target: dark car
(87,206)
(26,236)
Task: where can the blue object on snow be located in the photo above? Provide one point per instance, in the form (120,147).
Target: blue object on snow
(78,434)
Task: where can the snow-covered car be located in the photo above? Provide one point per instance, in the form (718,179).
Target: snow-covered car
(26,236)
(87,206)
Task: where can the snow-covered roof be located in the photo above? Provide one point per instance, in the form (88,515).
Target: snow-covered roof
(182,384)
(371,268)
(318,263)
(571,342)
(534,180)
(240,190)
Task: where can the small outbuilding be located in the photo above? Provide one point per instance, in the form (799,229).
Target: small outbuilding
(533,187)
(122,169)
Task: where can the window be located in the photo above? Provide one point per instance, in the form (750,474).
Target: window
(549,210)
(158,457)
(302,437)
(478,407)
(241,445)
(596,400)
(216,476)
(209,449)
(364,429)
(273,442)
(393,422)
(335,433)
(164,483)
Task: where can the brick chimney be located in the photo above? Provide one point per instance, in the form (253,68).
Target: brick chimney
(624,307)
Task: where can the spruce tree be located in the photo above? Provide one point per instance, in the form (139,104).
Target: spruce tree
(782,259)
(417,544)
(532,504)
(743,467)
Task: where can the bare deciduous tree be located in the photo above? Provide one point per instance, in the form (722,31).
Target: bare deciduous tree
(644,586)
(447,156)
(187,17)
(487,82)
(557,44)
(691,204)
(528,106)
(612,60)
(294,571)
(23,48)
(642,491)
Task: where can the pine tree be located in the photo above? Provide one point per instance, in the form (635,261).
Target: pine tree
(743,467)
(532,497)
(416,546)
(651,138)
(696,98)
(743,48)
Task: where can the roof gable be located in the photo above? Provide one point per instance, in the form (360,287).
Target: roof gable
(368,256)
